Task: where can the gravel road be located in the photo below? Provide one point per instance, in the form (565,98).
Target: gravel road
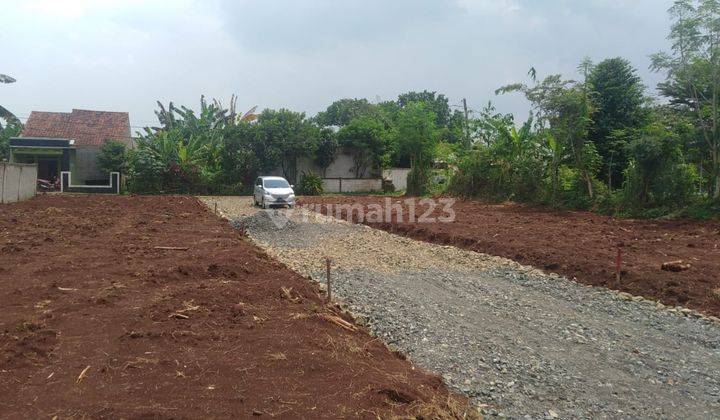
(521,343)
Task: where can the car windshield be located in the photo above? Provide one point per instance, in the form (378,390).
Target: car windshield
(276,183)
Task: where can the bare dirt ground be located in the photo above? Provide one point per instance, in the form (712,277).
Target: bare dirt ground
(520,342)
(99,322)
(579,245)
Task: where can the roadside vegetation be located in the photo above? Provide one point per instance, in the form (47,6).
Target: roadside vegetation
(600,143)
(10,125)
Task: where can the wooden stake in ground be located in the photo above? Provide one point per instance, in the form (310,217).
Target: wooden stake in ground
(618,264)
(327,274)
(82,374)
(172,248)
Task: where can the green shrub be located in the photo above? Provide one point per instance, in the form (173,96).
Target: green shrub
(310,184)
(483,174)
(701,210)
(112,157)
(146,173)
(388,186)
(417,181)
(573,190)
(671,188)
(476,176)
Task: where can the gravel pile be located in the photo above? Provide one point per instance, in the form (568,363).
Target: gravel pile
(521,343)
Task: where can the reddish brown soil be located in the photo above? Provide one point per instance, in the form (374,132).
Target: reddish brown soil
(199,333)
(579,245)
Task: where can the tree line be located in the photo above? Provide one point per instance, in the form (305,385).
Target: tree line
(219,151)
(599,142)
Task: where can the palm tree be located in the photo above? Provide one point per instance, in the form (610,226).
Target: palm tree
(6,115)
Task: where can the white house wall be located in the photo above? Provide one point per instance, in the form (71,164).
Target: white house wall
(86,167)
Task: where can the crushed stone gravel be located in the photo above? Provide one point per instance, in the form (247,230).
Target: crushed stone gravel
(519,342)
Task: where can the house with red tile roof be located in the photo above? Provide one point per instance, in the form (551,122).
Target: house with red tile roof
(69,141)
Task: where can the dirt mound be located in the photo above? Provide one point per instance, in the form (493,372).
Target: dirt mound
(154,307)
(579,245)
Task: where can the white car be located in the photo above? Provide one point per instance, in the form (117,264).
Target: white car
(273,191)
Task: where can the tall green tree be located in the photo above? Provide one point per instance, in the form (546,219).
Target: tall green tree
(618,96)
(565,109)
(693,74)
(656,175)
(342,111)
(288,135)
(365,138)
(437,103)
(416,138)
(327,149)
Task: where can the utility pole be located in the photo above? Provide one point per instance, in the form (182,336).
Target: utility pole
(467,124)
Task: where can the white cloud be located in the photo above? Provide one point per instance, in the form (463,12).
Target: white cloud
(124,55)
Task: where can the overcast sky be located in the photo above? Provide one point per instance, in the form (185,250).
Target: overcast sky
(123,55)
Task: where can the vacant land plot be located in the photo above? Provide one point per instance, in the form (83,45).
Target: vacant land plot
(578,245)
(153,307)
(520,342)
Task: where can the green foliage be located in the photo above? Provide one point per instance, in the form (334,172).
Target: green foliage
(418,180)
(112,157)
(287,135)
(692,69)
(327,149)
(365,138)
(6,115)
(618,97)
(243,155)
(572,190)
(564,109)
(310,184)
(436,103)
(12,129)
(341,112)
(184,156)
(479,177)
(416,138)
(448,153)
(510,165)
(656,176)
(700,210)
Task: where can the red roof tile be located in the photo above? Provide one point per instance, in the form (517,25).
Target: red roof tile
(87,128)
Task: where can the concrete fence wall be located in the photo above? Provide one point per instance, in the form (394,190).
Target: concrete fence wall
(112,187)
(338,185)
(398,176)
(18,181)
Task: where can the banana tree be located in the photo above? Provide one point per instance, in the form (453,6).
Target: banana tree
(6,115)
(557,154)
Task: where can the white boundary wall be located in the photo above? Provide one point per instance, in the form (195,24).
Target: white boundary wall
(18,181)
(340,185)
(398,176)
